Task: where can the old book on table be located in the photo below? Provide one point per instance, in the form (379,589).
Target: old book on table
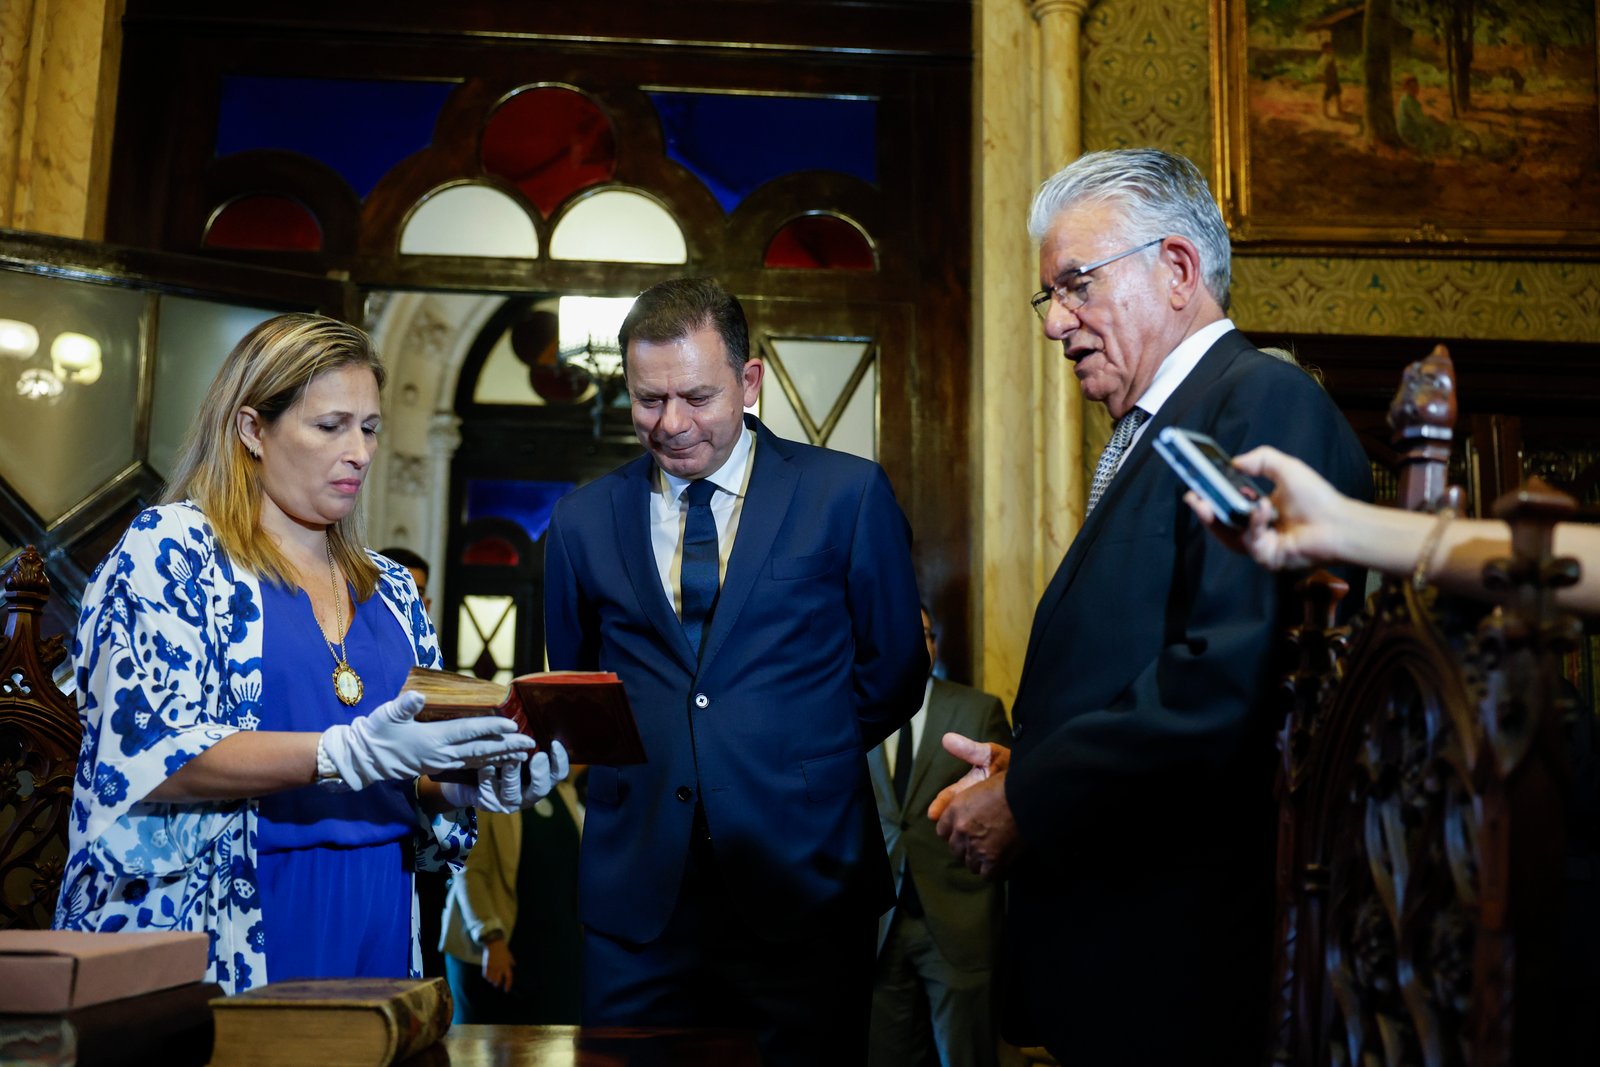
(587,712)
(331,1022)
(58,970)
(171,1027)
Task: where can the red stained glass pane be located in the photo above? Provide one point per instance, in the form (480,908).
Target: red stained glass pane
(549,143)
(491,551)
(820,242)
(265,221)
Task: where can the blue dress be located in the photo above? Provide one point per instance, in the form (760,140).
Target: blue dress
(168,654)
(334,868)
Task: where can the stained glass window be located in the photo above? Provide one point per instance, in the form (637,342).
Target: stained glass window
(526,503)
(735,142)
(824,391)
(469,220)
(358,129)
(820,241)
(264,222)
(619,226)
(549,142)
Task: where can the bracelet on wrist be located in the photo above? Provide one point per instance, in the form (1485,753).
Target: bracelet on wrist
(327,774)
(1430,545)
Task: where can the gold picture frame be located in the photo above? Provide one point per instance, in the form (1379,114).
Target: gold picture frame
(1489,144)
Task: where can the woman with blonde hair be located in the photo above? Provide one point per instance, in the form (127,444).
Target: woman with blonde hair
(248,768)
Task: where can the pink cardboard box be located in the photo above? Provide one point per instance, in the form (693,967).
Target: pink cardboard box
(57,970)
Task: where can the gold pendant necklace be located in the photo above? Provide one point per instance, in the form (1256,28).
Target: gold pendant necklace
(346,682)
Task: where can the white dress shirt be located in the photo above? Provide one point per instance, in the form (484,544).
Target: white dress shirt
(668,513)
(1173,370)
(891,747)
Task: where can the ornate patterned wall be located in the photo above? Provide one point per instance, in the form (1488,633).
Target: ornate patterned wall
(1146,80)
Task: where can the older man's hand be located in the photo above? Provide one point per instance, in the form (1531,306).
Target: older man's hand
(973,814)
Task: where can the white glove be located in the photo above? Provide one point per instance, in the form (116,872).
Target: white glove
(510,787)
(498,789)
(541,773)
(389,745)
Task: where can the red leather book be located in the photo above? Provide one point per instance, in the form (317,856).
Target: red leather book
(587,712)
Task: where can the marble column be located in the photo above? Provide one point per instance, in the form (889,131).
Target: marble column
(58,77)
(444,441)
(1063,488)
(1029,411)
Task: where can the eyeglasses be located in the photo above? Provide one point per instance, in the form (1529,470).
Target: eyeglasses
(1072,291)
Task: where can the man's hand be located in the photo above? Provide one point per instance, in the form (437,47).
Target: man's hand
(973,814)
(498,963)
(986,758)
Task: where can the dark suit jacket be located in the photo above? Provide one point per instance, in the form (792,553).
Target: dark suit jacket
(962,910)
(814,654)
(1143,761)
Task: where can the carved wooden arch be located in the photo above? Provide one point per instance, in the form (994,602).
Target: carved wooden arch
(1422,793)
(39,740)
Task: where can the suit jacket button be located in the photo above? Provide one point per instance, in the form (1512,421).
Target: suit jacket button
(1016,731)
(684,793)
(701,700)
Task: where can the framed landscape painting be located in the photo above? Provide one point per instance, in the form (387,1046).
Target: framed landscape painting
(1428,126)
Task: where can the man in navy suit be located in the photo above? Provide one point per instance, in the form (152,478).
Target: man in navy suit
(1135,811)
(757,599)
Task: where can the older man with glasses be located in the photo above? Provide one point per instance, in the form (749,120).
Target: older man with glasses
(1134,814)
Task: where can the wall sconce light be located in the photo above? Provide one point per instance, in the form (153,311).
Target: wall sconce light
(19,340)
(76,358)
(37,384)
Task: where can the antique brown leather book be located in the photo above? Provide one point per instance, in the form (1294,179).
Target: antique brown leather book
(331,1022)
(587,712)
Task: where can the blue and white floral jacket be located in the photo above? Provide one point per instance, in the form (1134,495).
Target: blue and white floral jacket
(168,655)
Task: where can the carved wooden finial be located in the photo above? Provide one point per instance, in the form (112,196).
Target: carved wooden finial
(24,582)
(1423,417)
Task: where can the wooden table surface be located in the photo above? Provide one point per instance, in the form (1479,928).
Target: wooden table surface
(472,1045)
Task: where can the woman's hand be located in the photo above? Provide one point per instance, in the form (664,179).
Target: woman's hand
(1303,525)
(388,744)
(510,787)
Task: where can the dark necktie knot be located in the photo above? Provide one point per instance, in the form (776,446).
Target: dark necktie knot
(699,493)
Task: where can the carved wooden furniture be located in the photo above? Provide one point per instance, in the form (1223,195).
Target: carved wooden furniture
(1422,792)
(39,738)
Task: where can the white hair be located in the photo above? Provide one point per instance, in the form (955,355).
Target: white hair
(1160,195)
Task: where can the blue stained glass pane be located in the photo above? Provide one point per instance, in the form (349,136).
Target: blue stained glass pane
(359,128)
(735,142)
(528,504)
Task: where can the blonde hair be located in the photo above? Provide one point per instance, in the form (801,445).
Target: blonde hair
(268,370)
